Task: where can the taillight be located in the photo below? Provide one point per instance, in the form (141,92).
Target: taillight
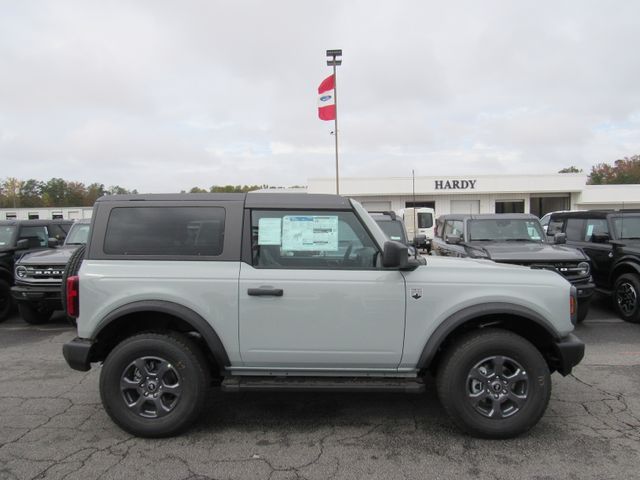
(573,304)
(73,296)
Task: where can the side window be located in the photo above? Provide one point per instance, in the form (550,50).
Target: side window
(575,229)
(310,240)
(555,226)
(595,226)
(37,236)
(165,231)
(453,227)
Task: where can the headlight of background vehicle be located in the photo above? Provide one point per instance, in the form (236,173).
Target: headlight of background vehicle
(21,272)
(585,269)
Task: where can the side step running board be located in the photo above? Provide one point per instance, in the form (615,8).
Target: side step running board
(340,384)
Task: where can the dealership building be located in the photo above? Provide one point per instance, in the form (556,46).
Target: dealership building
(537,194)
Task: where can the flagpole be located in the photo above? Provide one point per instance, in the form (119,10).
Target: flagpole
(335,62)
(335,120)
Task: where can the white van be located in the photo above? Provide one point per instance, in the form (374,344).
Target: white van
(424,217)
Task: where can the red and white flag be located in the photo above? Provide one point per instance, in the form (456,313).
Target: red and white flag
(326,99)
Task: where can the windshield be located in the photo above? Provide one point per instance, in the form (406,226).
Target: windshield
(627,227)
(393,230)
(78,234)
(425,220)
(510,230)
(6,234)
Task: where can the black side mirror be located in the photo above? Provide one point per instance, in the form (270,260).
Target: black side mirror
(453,239)
(600,237)
(22,244)
(395,255)
(53,242)
(560,238)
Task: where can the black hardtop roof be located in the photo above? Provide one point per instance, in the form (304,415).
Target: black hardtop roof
(487,216)
(251,200)
(594,213)
(34,223)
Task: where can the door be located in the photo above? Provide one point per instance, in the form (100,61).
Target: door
(600,254)
(313,296)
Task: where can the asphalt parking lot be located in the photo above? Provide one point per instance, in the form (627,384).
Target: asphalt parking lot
(52,425)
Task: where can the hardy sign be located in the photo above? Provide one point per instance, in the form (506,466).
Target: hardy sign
(455,184)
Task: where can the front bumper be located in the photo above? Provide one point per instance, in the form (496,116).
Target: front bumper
(585,289)
(47,294)
(77,353)
(568,353)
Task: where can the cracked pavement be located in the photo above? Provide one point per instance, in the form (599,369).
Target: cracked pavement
(53,426)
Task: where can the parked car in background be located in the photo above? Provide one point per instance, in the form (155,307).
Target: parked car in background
(544,220)
(515,238)
(393,226)
(38,276)
(611,239)
(19,237)
(419,223)
(264,291)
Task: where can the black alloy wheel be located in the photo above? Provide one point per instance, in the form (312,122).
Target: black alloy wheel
(626,297)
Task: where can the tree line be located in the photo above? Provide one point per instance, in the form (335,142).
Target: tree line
(623,171)
(57,192)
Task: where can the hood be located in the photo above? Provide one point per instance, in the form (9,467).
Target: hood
(631,245)
(51,256)
(527,252)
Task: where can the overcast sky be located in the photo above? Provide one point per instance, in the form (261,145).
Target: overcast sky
(162,96)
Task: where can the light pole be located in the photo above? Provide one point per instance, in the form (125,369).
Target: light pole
(334,62)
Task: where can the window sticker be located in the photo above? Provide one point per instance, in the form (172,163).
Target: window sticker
(269,231)
(310,233)
(590,230)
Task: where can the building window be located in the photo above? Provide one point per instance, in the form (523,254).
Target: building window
(56,216)
(510,206)
(33,216)
(11,216)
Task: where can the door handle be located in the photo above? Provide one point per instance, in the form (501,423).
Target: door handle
(265,292)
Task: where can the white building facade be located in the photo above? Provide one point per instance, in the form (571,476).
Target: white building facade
(537,194)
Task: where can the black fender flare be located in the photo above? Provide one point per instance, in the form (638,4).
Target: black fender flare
(467,314)
(185,314)
(627,262)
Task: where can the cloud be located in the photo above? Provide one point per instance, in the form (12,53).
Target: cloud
(162,96)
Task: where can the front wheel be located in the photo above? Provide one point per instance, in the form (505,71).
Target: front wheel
(34,314)
(494,384)
(154,385)
(583,309)
(625,297)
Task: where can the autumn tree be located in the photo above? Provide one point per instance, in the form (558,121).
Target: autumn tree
(623,171)
(570,169)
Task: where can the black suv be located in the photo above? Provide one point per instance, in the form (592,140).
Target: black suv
(18,237)
(611,239)
(516,238)
(38,276)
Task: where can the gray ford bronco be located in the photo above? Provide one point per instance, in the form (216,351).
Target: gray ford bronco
(181,293)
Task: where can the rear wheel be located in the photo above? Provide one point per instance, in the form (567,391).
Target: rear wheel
(626,294)
(494,384)
(34,313)
(5,300)
(154,385)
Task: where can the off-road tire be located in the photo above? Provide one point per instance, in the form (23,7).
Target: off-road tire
(34,314)
(463,357)
(626,297)
(6,302)
(183,356)
(72,268)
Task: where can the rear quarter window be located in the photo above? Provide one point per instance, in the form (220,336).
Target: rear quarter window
(165,231)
